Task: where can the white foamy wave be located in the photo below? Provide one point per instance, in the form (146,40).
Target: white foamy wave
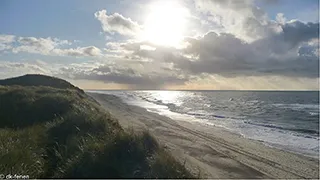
(283,139)
(314,113)
(298,106)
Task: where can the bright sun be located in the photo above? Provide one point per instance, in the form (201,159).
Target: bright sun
(165,24)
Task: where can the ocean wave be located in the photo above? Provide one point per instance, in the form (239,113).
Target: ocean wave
(253,102)
(173,107)
(273,126)
(298,106)
(314,113)
(199,114)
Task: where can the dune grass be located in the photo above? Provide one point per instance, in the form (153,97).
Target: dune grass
(48,132)
(38,80)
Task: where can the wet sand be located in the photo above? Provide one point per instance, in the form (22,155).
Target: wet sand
(212,151)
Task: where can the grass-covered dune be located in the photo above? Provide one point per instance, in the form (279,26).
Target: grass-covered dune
(52,129)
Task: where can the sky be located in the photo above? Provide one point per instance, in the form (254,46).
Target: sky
(164,44)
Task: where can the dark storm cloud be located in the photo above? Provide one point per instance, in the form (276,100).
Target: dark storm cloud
(278,54)
(296,32)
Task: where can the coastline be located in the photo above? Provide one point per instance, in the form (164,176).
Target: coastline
(211,151)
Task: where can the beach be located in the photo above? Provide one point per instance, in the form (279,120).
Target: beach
(210,151)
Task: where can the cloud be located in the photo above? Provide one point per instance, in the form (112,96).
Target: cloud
(117,23)
(5,41)
(241,18)
(38,45)
(283,54)
(280,18)
(9,69)
(123,75)
(78,52)
(4,47)
(45,46)
(232,45)
(253,83)
(295,31)
(291,52)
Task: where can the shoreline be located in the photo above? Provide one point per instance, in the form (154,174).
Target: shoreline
(212,151)
(228,130)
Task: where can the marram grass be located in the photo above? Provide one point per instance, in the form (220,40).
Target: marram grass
(51,132)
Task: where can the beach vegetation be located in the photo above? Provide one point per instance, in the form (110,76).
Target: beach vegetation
(52,129)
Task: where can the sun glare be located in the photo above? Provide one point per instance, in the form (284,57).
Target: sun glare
(165,24)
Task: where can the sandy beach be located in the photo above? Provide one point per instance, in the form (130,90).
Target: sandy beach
(212,151)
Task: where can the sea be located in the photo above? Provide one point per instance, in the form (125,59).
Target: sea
(288,120)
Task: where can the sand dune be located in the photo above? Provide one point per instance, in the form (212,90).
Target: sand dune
(212,151)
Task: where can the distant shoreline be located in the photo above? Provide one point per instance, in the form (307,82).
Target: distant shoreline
(201,146)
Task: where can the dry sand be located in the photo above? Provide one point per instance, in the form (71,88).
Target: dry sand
(212,151)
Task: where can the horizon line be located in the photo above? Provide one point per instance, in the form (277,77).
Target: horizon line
(194,90)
